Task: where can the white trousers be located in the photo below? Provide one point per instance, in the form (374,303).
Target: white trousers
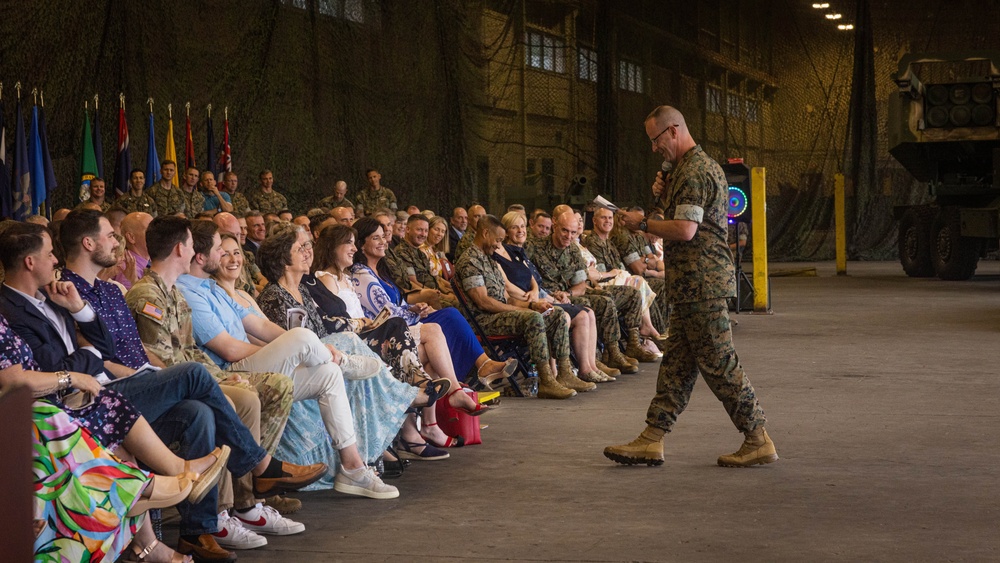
(299,354)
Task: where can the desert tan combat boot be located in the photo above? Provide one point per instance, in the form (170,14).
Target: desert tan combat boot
(596,376)
(647,448)
(548,387)
(606,369)
(617,360)
(757,449)
(634,348)
(566,378)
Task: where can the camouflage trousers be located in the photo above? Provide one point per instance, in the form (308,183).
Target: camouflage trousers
(701,342)
(263,401)
(547,335)
(613,306)
(660,309)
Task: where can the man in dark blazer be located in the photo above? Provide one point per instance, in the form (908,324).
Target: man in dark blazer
(457,225)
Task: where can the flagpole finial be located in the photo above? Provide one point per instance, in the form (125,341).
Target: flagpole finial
(17,86)
(85,106)
(187,107)
(226,112)
(150,102)
(1,90)
(121,98)
(34,92)
(170,111)
(209,108)
(41,96)
(95,102)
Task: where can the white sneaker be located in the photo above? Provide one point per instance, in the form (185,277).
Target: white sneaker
(265,519)
(364,482)
(359,367)
(232,534)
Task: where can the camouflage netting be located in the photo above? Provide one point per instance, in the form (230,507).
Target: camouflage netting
(502,101)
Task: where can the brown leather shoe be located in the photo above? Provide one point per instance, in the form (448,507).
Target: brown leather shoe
(284,505)
(206,550)
(293,477)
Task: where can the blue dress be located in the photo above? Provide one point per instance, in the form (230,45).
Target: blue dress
(375,293)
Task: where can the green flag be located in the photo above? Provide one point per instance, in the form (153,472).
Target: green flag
(88,162)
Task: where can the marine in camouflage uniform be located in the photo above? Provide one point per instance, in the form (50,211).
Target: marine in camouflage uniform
(465,242)
(241,206)
(142,203)
(608,256)
(164,321)
(397,271)
(104,206)
(331,201)
(194,202)
(270,202)
(564,268)
(413,262)
(545,334)
(369,201)
(169,200)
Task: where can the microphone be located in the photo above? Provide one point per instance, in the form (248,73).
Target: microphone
(665,169)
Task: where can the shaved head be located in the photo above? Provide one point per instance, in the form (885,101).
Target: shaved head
(227,223)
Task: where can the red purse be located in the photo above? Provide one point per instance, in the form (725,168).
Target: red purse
(454,422)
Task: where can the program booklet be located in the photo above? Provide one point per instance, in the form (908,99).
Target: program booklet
(600,201)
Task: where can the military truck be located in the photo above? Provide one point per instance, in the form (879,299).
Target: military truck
(944,128)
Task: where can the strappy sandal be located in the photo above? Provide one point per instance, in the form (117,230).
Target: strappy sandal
(163,492)
(204,481)
(139,555)
(507,371)
(477,411)
(392,469)
(435,389)
(451,442)
(428,452)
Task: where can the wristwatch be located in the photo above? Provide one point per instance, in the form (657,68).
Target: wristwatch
(643,225)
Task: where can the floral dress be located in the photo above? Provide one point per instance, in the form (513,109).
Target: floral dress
(82,491)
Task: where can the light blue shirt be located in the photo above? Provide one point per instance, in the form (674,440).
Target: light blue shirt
(212,203)
(212,313)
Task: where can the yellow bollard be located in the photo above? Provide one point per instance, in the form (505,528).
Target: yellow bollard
(839,224)
(758,201)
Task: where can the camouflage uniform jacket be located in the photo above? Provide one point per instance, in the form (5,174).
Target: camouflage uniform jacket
(631,246)
(476,269)
(330,202)
(240,204)
(137,203)
(194,202)
(269,202)
(464,243)
(104,206)
(396,269)
(561,268)
(701,268)
(168,201)
(415,263)
(604,252)
(370,201)
(164,321)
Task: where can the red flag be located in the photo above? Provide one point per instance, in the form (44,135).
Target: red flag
(189,147)
(123,161)
(225,159)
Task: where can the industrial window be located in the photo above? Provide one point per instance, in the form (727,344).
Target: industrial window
(586,62)
(713,99)
(735,107)
(544,51)
(548,175)
(753,110)
(630,76)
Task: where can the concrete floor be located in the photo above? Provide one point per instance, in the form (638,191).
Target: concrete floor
(881,393)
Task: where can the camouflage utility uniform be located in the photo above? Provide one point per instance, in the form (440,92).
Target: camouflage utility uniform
(137,203)
(699,279)
(104,206)
(164,321)
(563,268)
(240,204)
(464,243)
(272,202)
(608,257)
(397,271)
(369,201)
(543,333)
(194,202)
(168,201)
(415,263)
(330,202)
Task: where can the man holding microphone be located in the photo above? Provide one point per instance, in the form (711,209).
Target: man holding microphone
(699,278)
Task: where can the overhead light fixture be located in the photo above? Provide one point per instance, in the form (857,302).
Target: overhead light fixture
(833,16)
(822,6)
(845,27)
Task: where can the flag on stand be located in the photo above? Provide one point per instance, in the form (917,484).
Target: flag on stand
(51,185)
(88,162)
(189,147)
(98,144)
(211,163)
(21,177)
(5,195)
(123,157)
(225,159)
(170,152)
(36,163)
(152,159)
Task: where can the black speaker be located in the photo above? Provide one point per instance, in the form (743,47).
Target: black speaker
(740,209)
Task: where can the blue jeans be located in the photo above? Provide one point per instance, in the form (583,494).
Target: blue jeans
(186,408)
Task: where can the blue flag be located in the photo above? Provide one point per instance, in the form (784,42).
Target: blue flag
(21,175)
(212,164)
(98,145)
(6,196)
(152,159)
(36,163)
(50,174)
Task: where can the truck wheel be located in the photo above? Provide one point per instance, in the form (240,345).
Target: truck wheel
(954,257)
(915,244)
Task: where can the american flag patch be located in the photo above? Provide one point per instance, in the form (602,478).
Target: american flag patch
(153,311)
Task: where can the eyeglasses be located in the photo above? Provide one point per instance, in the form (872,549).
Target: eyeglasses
(654,139)
(306,247)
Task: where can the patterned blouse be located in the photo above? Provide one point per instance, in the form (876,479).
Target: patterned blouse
(13,350)
(275,301)
(375,293)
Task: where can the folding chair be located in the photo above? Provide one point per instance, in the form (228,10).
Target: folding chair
(499,348)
